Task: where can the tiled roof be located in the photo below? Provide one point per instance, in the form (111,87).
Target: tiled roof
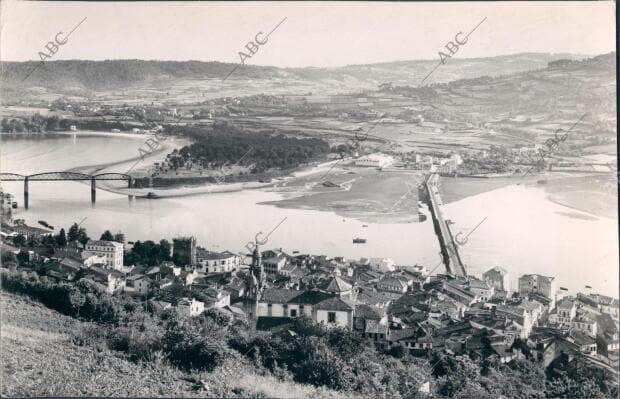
(279,295)
(337,284)
(311,297)
(367,312)
(104,243)
(210,255)
(497,269)
(334,303)
(289,268)
(479,284)
(402,282)
(71,263)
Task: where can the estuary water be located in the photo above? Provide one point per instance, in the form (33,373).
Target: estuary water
(523,232)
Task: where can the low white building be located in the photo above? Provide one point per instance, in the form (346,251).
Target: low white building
(215,262)
(382,264)
(90,260)
(112,251)
(138,284)
(374,160)
(190,307)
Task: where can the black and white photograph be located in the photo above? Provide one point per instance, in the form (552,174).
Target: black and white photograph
(312,199)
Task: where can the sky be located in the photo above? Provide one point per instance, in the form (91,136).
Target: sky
(313,33)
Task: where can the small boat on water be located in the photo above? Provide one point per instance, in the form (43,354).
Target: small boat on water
(44,223)
(364,225)
(542,182)
(359,241)
(295,252)
(149,195)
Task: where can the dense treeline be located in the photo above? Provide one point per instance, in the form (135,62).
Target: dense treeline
(48,124)
(304,352)
(226,144)
(148,253)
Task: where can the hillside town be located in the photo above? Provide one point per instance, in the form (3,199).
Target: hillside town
(389,305)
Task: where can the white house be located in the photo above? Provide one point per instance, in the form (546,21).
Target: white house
(374,160)
(321,307)
(273,261)
(91,259)
(382,264)
(112,251)
(215,262)
(190,307)
(334,312)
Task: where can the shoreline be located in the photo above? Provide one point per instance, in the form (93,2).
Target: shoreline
(78,133)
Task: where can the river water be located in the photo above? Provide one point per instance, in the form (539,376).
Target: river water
(524,232)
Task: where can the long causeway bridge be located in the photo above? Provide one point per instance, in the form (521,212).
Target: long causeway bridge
(449,249)
(65,176)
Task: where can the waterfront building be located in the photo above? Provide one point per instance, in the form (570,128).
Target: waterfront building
(499,278)
(585,322)
(567,310)
(374,160)
(30,232)
(215,262)
(482,289)
(112,251)
(536,283)
(274,261)
(383,265)
(184,251)
(395,283)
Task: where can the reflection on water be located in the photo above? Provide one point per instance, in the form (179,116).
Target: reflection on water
(523,232)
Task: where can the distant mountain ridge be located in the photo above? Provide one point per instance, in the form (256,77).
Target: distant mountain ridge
(100,75)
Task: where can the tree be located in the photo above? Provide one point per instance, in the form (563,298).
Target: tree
(74,232)
(107,236)
(82,236)
(8,257)
(23,258)
(61,238)
(19,240)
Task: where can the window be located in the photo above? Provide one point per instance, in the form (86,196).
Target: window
(293,312)
(331,317)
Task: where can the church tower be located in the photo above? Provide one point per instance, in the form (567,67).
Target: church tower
(257,267)
(254,284)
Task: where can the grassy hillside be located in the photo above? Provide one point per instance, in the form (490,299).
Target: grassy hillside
(41,357)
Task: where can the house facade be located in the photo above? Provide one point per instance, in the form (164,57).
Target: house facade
(215,262)
(322,307)
(112,251)
(499,278)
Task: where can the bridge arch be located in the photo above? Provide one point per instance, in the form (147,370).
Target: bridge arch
(11,177)
(59,176)
(112,176)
